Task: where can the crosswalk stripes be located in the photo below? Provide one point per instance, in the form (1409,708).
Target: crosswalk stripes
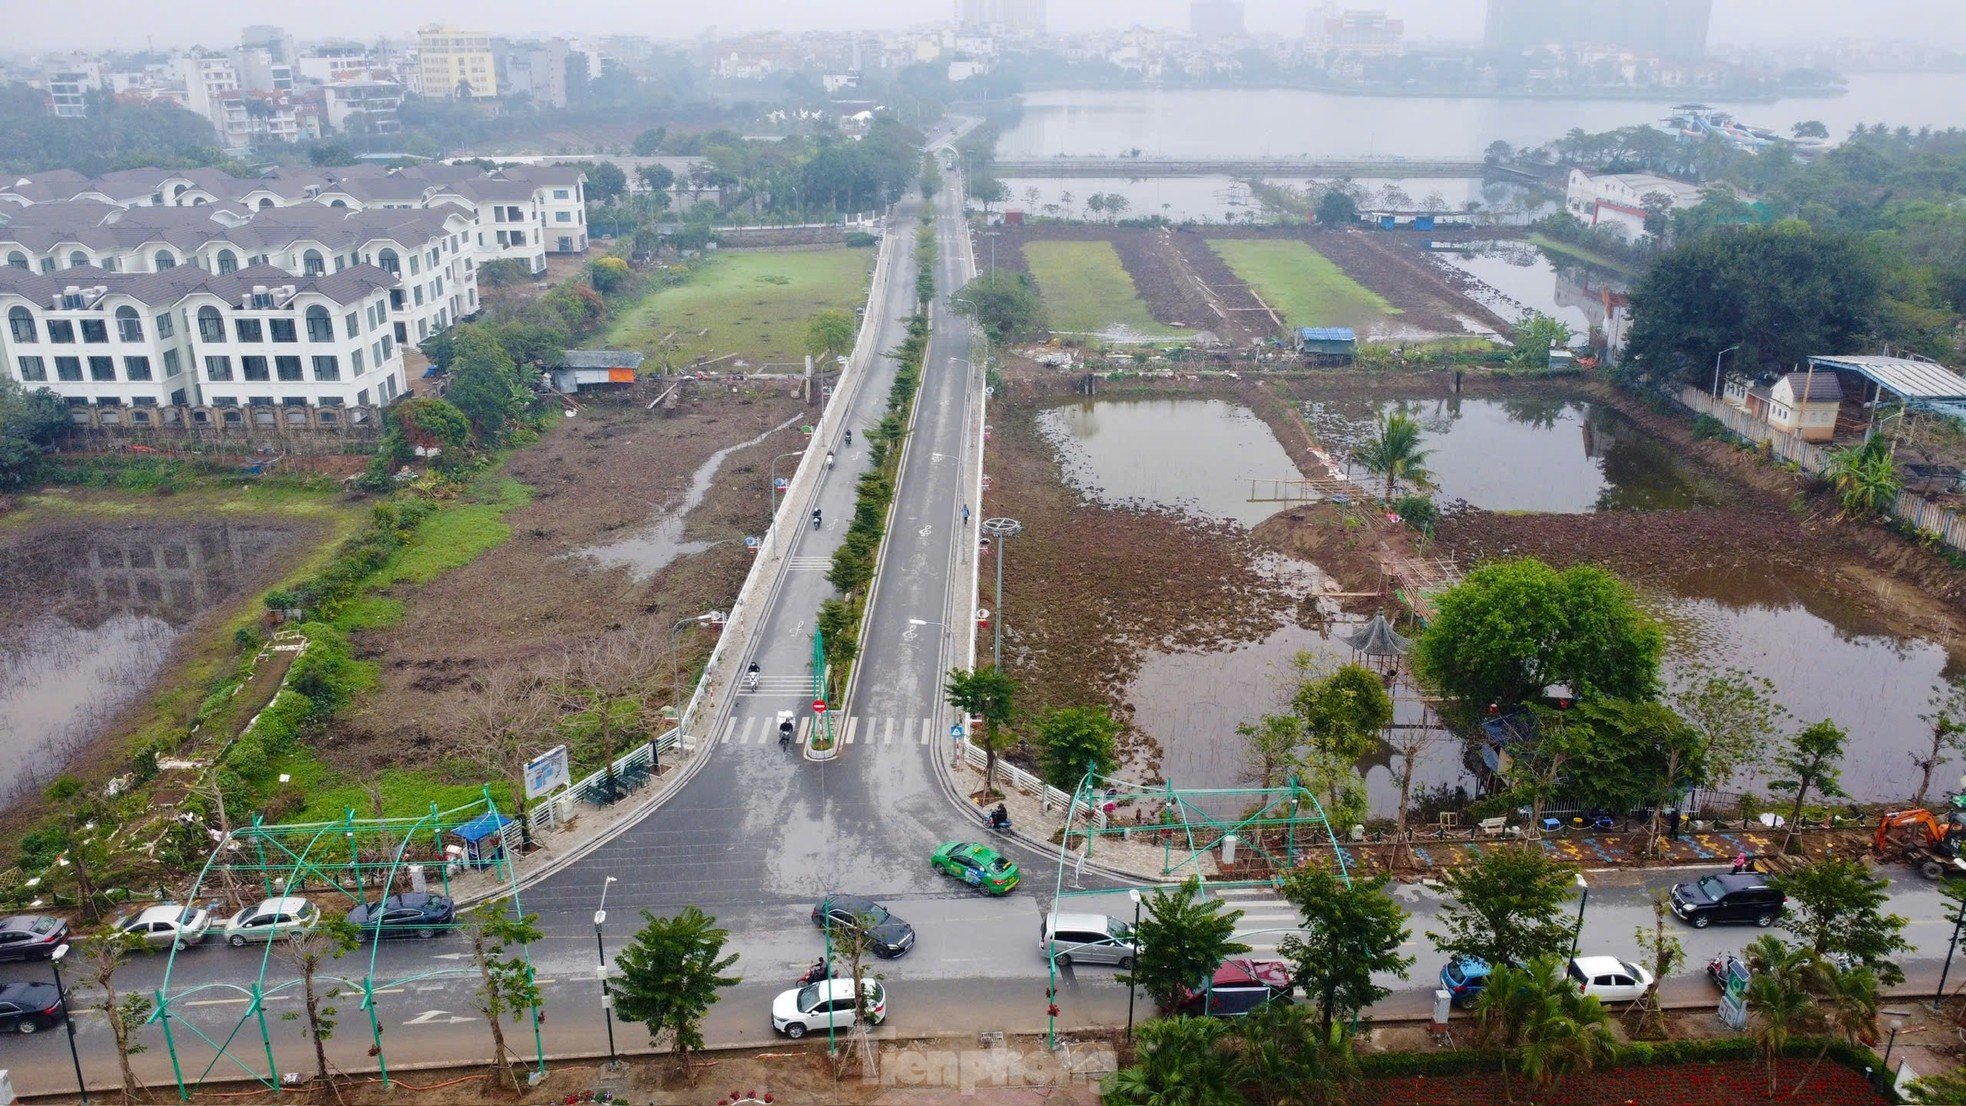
(808,564)
(856,729)
(852,726)
(928,730)
(781,685)
(1266,919)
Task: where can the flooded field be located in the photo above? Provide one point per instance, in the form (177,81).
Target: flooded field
(88,615)
(1194,455)
(1513,278)
(1525,453)
(1224,199)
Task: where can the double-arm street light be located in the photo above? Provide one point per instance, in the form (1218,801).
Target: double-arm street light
(707,618)
(1001,530)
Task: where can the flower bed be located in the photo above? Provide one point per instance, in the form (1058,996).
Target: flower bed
(1714,1083)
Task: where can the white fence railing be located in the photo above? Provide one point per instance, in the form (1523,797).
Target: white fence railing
(1910,508)
(1051,797)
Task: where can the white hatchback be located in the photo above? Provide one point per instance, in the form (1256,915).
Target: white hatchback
(271,919)
(810,1009)
(1609,978)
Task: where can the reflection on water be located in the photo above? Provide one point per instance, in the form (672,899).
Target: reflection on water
(1545,453)
(1222,199)
(1193,455)
(87,617)
(1516,277)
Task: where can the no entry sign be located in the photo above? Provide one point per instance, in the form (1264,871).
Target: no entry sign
(819,706)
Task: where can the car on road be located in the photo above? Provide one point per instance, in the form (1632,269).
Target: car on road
(1609,978)
(1745,897)
(1463,978)
(409,914)
(271,919)
(887,935)
(1086,939)
(1237,987)
(810,1009)
(29,1007)
(166,925)
(977,865)
(31,936)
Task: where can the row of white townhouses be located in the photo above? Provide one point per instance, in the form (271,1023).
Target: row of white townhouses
(184,337)
(425,230)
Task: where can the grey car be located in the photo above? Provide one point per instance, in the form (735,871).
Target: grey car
(167,925)
(1087,939)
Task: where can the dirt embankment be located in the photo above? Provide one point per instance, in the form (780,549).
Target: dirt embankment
(597,478)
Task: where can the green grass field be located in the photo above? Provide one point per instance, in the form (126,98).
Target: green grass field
(754,305)
(1302,284)
(1087,290)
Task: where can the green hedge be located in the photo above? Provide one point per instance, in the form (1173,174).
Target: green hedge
(1633,1054)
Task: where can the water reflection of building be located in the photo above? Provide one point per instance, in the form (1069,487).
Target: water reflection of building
(174,573)
(1601,300)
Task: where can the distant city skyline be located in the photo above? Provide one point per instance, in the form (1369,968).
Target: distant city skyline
(128,25)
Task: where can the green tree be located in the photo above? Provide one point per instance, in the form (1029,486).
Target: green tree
(1737,714)
(506,983)
(1283,1059)
(1779,1001)
(608,274)
(830,335)
(1809,761)
(331,939)
(984,693)
(1512,628)
(30,423)
(1072,739)
(1351,931)
(1637,754)
(671,974)
(649,142)
(1184,936)
(1344,714)
(1534,335)
(605,181)
(1180,1062)
(485,383)
(1393,452)
(103,955)
(1509,907)
(658,180)
(1837,908)
(1812,128)
(1665,954)
(1336,209)
(1947,719)
(1865,478)
(1849,1000)
(1783,292)
(1568,1032)
(1273,748)
(1004,303)
(427,422)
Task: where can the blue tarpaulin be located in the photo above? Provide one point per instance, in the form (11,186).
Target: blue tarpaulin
(481,827)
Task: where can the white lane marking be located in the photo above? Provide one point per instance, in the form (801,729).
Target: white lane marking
(852,724)
(887,736)
(928,730)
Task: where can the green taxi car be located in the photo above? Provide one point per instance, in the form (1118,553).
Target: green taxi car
(977,865)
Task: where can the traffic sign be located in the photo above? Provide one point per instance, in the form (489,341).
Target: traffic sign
(819,706)
(956,732)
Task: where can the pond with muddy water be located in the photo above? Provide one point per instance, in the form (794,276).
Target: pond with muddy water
(89,614)
(1826,656)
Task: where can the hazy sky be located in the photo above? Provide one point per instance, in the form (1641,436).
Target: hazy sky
(129,24)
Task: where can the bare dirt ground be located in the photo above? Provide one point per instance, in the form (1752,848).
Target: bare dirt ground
(1171,294)
(597,478)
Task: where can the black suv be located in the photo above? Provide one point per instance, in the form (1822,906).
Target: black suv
(1730,898)
(887,935)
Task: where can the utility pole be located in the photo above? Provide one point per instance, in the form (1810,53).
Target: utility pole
(1001,530)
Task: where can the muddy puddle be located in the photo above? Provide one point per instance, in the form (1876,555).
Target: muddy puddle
(1513,278)
(1539,453)
(88,615)
(1198,456)
(648,551)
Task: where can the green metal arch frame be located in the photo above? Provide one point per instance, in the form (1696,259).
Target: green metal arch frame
(311,861)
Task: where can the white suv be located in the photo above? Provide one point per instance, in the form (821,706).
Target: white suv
(810,1009)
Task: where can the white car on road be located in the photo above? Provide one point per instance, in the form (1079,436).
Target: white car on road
(1609,978)
(810,1009)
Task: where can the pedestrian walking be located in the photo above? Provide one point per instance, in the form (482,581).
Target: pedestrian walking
(1740,863)
(1672,824)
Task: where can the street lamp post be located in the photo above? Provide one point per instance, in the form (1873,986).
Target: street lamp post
(1578,932)
(1958,921)
(707,618)
(774,478)
(600,952)
(1001,530)
(61,993)
(1134,894)
(1716,368)
(1897,1025)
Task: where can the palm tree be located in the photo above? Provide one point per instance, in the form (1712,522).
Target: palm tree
(1284,1059)
(1778,996)
(983,693)
(1569,1031)
(1865,478)
(1394,451)
(1181,1063)
(1849,999)
(1514,1001)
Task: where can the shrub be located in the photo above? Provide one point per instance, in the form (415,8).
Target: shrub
(1417,511)
(1706,428)
(859,239)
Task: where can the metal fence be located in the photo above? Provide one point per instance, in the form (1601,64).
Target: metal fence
(633,771)
(1943,523)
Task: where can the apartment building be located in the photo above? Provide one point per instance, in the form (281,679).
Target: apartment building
(427,250)
(258,337)
(207,78)
(456,65)
(362,106)
(68,88)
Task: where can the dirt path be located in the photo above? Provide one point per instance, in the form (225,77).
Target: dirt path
(597,478)
(1243,314)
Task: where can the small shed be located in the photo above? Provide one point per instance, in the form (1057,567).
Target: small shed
(483,838)
(1798,402)
(1332,344)
(581,368)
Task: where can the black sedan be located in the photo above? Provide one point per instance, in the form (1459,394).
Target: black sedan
(29,1007)
(410,914)
(887,935)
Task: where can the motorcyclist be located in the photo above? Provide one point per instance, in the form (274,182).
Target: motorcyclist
(751,677)
(849,437)
(1000,817)
(815,518)
(785,732)
(829,460)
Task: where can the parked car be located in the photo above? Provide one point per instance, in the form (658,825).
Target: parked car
(167,925)
(1463,978)
(1728,898)
(1086,939)
(271,919)
(1609,978)
(31,936)
(887,935)
(810,1009)
(409,914)
(976,865)
(1237,987)
(29,1007)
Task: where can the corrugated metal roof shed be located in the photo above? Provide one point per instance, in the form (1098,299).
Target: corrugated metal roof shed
(601,359)
(1917,381)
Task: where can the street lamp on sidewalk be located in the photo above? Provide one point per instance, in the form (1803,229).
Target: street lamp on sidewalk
(1001,530)
(707,618)
(1133,967)
(1716,368)
(61,993)
(600,951)
(1577,933)
(774,477)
